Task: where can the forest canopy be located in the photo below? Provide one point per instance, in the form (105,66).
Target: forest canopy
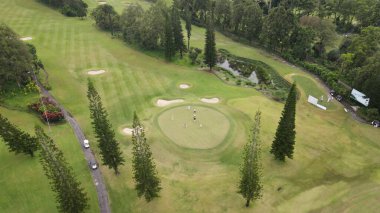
(16,60)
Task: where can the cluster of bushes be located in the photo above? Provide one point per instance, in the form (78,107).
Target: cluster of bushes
(48,110)
(369,114)
(16,61)
(71,8)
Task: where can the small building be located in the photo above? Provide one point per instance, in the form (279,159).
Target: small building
(359,97)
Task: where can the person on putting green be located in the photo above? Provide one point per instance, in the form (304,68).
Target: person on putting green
(194,117)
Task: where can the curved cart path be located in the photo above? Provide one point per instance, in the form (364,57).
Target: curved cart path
(89,155)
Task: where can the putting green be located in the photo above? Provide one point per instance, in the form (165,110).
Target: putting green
(207,131)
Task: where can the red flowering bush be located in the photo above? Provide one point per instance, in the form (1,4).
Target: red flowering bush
(48,110)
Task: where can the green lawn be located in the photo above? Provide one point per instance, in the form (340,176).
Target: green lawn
(207,131)
(335,166)
(24,186)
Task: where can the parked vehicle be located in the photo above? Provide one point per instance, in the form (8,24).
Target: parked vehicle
(336,95)
(376,123)
(93,165)
(339,98)
(86,144)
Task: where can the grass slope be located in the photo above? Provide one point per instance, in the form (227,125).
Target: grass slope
(24,186)
(335,167)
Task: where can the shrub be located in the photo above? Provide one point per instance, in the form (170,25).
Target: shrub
(370,114)
(193,55)
(333,55)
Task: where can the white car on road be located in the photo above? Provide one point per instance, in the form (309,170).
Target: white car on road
(86,144)
(93,165)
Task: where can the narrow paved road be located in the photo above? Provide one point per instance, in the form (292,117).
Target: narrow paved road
(89,155)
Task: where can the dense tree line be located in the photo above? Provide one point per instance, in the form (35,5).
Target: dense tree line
(359,62)
(301,31)
(71,8)
(298,30)
(157,28)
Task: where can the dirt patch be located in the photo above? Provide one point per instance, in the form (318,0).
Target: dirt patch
(26,38)
(96,72)
(163,103)
(184,86)
(210,100)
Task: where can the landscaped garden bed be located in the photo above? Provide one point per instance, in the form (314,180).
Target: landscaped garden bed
(47,110)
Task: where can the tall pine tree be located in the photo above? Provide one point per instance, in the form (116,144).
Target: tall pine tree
(189,17)
(177,29)
(210,49)
(169,39)
(283,144)
(109,147)
(70,196)
(17,140)
(144,170)
(250,186)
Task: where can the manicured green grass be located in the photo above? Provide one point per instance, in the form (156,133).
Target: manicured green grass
(208,130)
(335,167)
(309,87)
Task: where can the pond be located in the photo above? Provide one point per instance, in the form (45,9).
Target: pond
(226,65)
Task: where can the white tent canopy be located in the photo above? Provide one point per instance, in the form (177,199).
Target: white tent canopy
(359,97)
(314,101)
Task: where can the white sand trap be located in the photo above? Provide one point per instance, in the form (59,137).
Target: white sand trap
(184,86)
(102,2)
(127,131)
(210,100)
(96,72)
(162,103)
(26,38)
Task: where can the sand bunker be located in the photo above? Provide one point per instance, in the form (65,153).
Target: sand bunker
(102,2)
(210,100)
(26,38)
(184,86)
(96,72)
(127,131)
(162,103)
